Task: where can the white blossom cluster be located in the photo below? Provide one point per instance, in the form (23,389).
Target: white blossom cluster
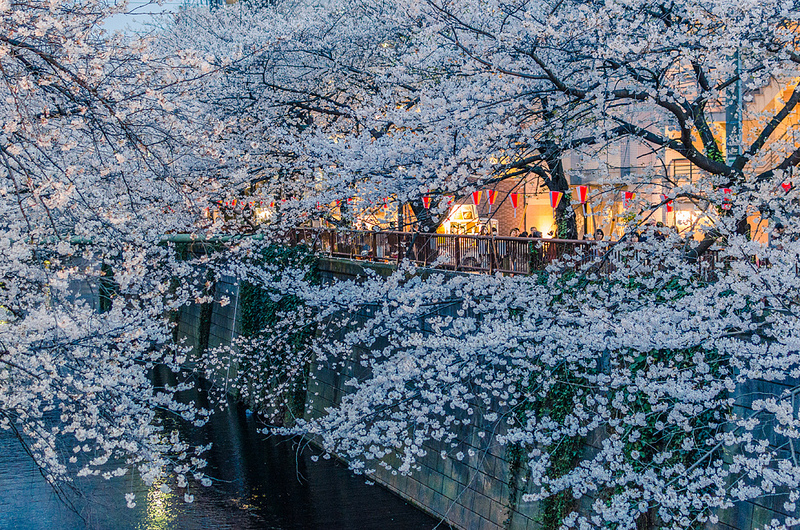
(659,367)
(372,103)
(102,153)
(658,346)
(110,142)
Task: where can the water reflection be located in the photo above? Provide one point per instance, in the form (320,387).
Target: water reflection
(261,484)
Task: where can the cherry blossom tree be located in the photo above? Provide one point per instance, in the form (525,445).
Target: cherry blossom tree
(109,142)
(102,153)
(640,346)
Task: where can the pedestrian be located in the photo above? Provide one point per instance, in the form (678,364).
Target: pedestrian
(535,251)
(660,234)
(483,247)
(512,249)
(774,238)
(599,235)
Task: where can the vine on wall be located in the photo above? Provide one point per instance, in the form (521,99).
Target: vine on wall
(268,364)
(553,395)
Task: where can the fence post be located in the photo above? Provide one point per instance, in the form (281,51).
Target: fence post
(492,259)
(399,245)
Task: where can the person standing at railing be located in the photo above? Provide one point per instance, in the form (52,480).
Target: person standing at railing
(599,235)
(534,250)
(660,233)
(512,249)
(483,247)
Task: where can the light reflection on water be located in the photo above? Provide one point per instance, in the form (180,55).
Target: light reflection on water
(260,484)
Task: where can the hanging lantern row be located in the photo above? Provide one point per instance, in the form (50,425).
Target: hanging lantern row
(555,197)
(426,200)
(582,196)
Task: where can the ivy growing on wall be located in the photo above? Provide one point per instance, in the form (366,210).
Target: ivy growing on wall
(642,444)
(269,362)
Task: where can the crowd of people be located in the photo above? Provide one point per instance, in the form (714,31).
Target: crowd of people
(534,233)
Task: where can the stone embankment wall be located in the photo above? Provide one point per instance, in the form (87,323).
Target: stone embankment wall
(481,492)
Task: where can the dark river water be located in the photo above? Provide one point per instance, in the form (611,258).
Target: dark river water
(262,483)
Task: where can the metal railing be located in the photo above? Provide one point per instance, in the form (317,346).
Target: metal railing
(484,254)
(448,251)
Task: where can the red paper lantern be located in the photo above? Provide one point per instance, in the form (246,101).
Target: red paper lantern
(726,198)
(583,192)
(514,201)
(668,203)
(476,197)
(492,195)
(426,201)
(626,202)
(555,198)
(786,186)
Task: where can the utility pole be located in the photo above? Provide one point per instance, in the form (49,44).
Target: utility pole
(733,116)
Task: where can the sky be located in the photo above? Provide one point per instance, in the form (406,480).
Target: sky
(142,12)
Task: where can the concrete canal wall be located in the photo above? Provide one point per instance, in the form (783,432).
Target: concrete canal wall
(484,490)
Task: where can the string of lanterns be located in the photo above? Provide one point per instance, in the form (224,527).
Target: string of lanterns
(491,195)
(555,198)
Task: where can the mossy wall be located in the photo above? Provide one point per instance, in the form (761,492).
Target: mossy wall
(483,491)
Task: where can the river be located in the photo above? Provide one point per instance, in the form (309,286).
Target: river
(260,483)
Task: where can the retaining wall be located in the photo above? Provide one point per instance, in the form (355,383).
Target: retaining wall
(480,492)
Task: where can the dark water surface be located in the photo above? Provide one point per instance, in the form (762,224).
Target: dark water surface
(262,484)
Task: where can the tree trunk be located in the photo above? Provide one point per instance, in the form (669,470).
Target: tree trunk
(425,223)
(566,224)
